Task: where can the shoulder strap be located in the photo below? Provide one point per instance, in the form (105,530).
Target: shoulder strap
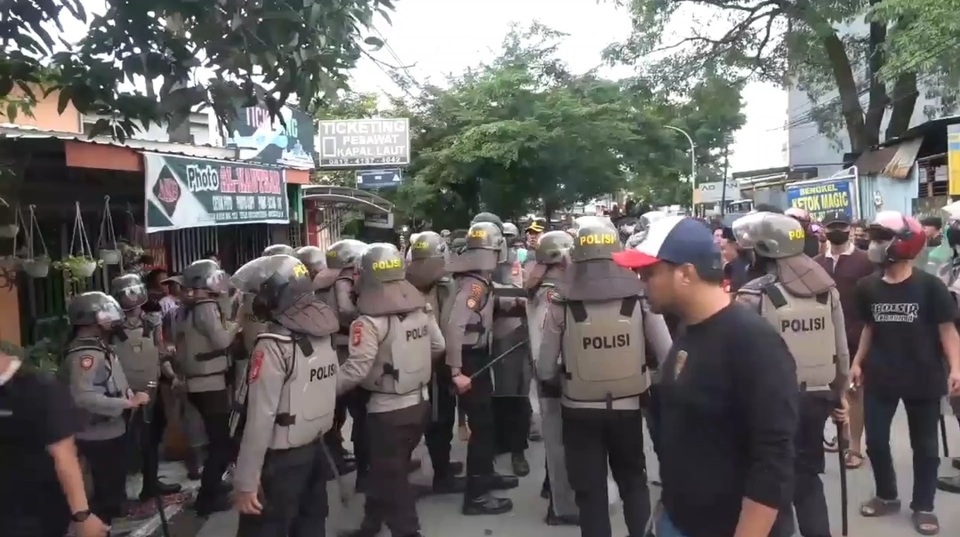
(772,291)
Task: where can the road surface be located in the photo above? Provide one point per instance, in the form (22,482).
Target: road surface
(440,515)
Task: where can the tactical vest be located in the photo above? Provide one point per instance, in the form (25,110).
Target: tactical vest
(603,350)
(446,293)
(139,356)
(104,381)
(195,353)
(252,326)
(806,325)
(309,393)
(403,364)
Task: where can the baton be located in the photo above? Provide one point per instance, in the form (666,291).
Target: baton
(943,436)
(842,457)
(498,358)
(145,415)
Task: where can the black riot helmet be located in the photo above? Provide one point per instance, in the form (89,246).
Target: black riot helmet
(205,275)
(488,217)
(278,249)
(129,291)
(313,258)
(94,308)
(277,282)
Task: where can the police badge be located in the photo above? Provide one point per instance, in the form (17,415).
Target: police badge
(679,365)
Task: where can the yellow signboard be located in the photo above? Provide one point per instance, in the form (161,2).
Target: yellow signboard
(953,159)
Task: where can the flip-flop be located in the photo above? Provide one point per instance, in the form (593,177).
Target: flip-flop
(878,507)
(925,523)
(852,456)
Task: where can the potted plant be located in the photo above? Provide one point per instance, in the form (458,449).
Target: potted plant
(9,230)
(107,242)
(79,263)
(36,263)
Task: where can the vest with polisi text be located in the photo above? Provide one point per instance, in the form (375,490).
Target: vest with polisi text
(139,356)
(806,326)
(309,393)
(603,350)
(403,364)
(195,352)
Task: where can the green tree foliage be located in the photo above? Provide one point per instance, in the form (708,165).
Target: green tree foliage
(885,58)
(221,53)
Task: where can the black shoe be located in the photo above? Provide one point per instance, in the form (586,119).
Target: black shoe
(208,506)
(449,485)
(956,463)
(160,489)
(504,482)
(414,465)
(545,491)
(949,484)
(520,465)
(566,520)
(456,468)
(487,504)
(345,467)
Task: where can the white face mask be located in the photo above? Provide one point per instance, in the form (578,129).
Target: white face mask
(877,253)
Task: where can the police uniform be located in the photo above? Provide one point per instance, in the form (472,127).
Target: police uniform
(101,392)
(290,398)
(799,298)
(595,333)
(392,343)
(467,332)
(203,341)
(136,346)
(427,272)
(334,285)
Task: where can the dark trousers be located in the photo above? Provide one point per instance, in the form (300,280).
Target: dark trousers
(214,410)
(477,403)
(106,461)
(391,499)
(592,438)
(440,421)
(653,416)
(293,494)
(145,434)
(334,437)
(511,421)
(356,403)
(49,524)
(809,502)
(923,418)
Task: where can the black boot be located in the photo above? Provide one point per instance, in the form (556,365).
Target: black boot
(449,484)
(520,465)
(208,505)
(566,520)
(503,482)
(486,504)
(159,488)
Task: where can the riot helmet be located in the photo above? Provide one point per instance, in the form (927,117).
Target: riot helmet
(428,245)
(484,236)
(553,247)
(770,235)
(489,218)
(634,240)
(277,282)
(593,221)
(95,308)
(129,291)
(381,263)
(279,249)
(510,231)
(313,258)
(345,254)
(595,241)
(650,217)
(205,275)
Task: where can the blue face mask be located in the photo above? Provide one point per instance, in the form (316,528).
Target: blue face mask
(522,255)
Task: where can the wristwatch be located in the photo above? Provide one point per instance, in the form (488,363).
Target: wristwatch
(80,516)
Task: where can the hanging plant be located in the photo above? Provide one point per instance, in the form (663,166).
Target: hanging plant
(79,264)
(13,260)
(36,264)
(10,230)
(107,241)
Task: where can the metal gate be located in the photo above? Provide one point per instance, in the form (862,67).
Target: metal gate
(249,242)
(189,245)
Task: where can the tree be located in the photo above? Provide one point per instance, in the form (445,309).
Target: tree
(222,53)
(800,42)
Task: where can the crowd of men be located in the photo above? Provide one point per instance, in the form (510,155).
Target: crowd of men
(734,345)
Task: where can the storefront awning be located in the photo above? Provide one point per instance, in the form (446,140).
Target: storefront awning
(366,201)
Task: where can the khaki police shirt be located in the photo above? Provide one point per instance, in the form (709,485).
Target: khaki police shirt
(842,351)
(474,303)
(367,333)
(208,320)
(549,360)
(264,390)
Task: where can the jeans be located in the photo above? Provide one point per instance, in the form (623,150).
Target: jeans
(665,527)
(923,417)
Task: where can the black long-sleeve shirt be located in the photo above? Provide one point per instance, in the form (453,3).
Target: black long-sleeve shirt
(728,413)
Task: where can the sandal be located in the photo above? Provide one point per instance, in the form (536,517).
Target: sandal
(831,445)
(878,507)
(925,523)
(853,459)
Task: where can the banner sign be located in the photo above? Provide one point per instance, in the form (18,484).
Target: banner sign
(184,192)
(266,140)
(377,179)
(361,143)
(824,196)
(953,160)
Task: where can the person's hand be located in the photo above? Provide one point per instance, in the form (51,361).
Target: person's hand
(954,382)
(176,383)
(91,527)
(462,383)
(855,376)
(141,398)
(840,413)
(129,393)
(247,503)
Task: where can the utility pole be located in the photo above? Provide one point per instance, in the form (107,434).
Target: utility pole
(726,171)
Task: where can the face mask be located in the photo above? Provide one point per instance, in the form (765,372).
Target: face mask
(877,253)
(862,244)
(935,241)
(838,237)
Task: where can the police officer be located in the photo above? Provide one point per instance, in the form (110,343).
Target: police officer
(392,344)
(100,390)
(314,259)
(801,301)
(427,272)
(334,284)
(467,332)
(281,471)
(598,325)
(204,339)
(550,261)
(136,345)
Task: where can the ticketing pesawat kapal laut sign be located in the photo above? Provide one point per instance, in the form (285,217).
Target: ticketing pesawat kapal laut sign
(362,143)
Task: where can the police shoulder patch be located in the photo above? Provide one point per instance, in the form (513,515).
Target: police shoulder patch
(256,364)
(356,332)
(477,290)
(86,362)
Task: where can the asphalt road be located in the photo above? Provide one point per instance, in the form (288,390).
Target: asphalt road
(440,515)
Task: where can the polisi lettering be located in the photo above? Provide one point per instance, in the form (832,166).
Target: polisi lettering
(797,234)
(617,341)
(598,239)
(814,324)
(417,333)
(387,264)
(477,234)
(323,372)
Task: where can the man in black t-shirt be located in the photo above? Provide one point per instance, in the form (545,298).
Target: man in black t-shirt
(41,483)
(909,330)
(728,394)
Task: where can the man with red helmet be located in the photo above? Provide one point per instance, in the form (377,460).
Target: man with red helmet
(909,329)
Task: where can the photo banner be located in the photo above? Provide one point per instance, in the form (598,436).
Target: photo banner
(826,196)
(186,192)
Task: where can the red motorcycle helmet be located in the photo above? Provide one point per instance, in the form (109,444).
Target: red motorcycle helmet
(904,233)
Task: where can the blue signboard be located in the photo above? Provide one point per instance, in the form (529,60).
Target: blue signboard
(829,195)
(379,178)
